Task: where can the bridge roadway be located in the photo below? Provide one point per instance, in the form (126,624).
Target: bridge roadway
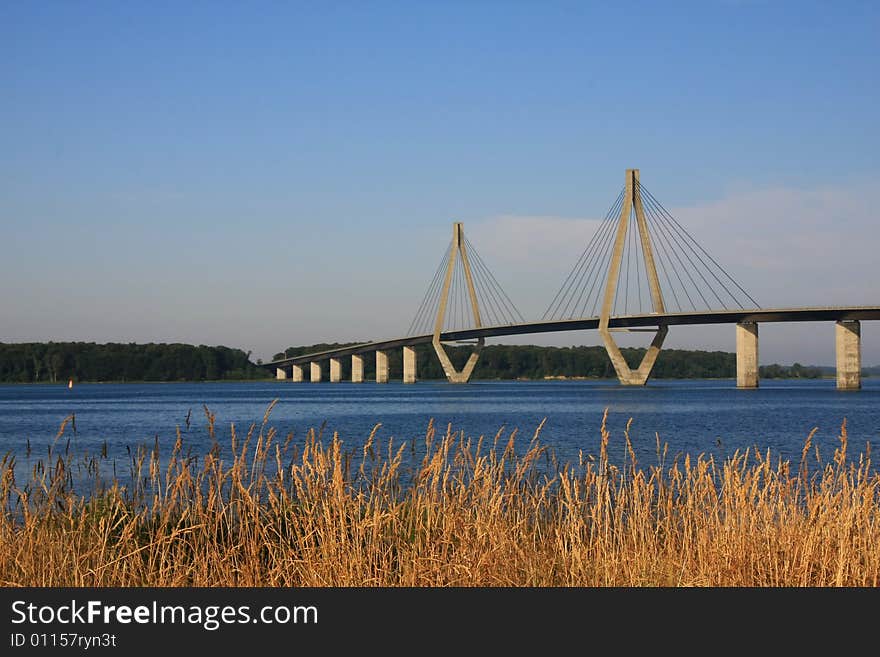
(817,314)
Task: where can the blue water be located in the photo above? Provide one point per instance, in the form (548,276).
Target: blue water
(708,417)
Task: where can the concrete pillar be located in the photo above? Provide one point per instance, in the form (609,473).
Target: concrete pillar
(297,373)
(848,345)
(335,370)
(747,355)
(410,370)
(280,373)
(315,372)
(357,368)
(381,367)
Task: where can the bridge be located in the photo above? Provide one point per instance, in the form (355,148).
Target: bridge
(615,286)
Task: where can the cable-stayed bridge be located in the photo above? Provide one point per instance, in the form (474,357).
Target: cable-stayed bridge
(641,271)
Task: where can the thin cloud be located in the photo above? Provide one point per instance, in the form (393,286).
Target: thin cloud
(537,240)
(794,246)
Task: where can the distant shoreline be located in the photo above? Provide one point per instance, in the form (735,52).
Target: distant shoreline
(57,363)
(548,379)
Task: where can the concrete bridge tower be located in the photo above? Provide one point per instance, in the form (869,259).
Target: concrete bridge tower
(458,249)
(632,200)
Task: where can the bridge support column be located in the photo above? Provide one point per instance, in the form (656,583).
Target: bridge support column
(335,370)
(410,372)
(297,373)
(357,368)
(315,372)
(280,373)
(381,367)
(848,343)
(747,355)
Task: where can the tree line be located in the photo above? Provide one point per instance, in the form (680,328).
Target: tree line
(53,362)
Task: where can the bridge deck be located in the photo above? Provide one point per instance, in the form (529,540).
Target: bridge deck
(818,314)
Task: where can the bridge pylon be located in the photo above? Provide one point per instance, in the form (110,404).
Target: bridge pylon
(632,201)
(458,249)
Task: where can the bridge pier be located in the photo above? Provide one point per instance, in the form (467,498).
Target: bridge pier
(410,373)
(848,346)
(452,374)
(297,373)
(747,355)
(315,372)
(357,368)
(335,370)
(381,366)
(280,373)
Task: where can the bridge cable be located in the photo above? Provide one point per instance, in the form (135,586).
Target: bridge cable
(466,309)
(673,220)
(627,252)
(510,311)
(423,320)
(705,265)
(432,290)
(687,238)
(602,269)
(682,245)
(454,296)
(451,309)
(488,301)
(433,305)
(663,257)
(489,309)
(507,307)
(639,276)
(594,258)
(563,291)
(591,264)
(488,296)
(628,258)
(635,257)
(592,261)
(637,251)
(672,243)
(605,265)
(642,267)
(463,295)
(431,310)
(617,287)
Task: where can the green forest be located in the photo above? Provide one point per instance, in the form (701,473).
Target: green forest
(58,362)
(54,362)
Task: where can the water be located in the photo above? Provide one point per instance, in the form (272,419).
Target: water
(692,416)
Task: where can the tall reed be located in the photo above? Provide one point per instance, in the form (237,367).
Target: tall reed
(452,510)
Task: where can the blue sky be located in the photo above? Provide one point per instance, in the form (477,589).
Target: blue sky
(269,174)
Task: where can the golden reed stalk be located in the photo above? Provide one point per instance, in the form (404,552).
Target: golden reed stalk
(448,511)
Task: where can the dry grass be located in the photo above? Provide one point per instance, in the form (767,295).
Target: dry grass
(277,512)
